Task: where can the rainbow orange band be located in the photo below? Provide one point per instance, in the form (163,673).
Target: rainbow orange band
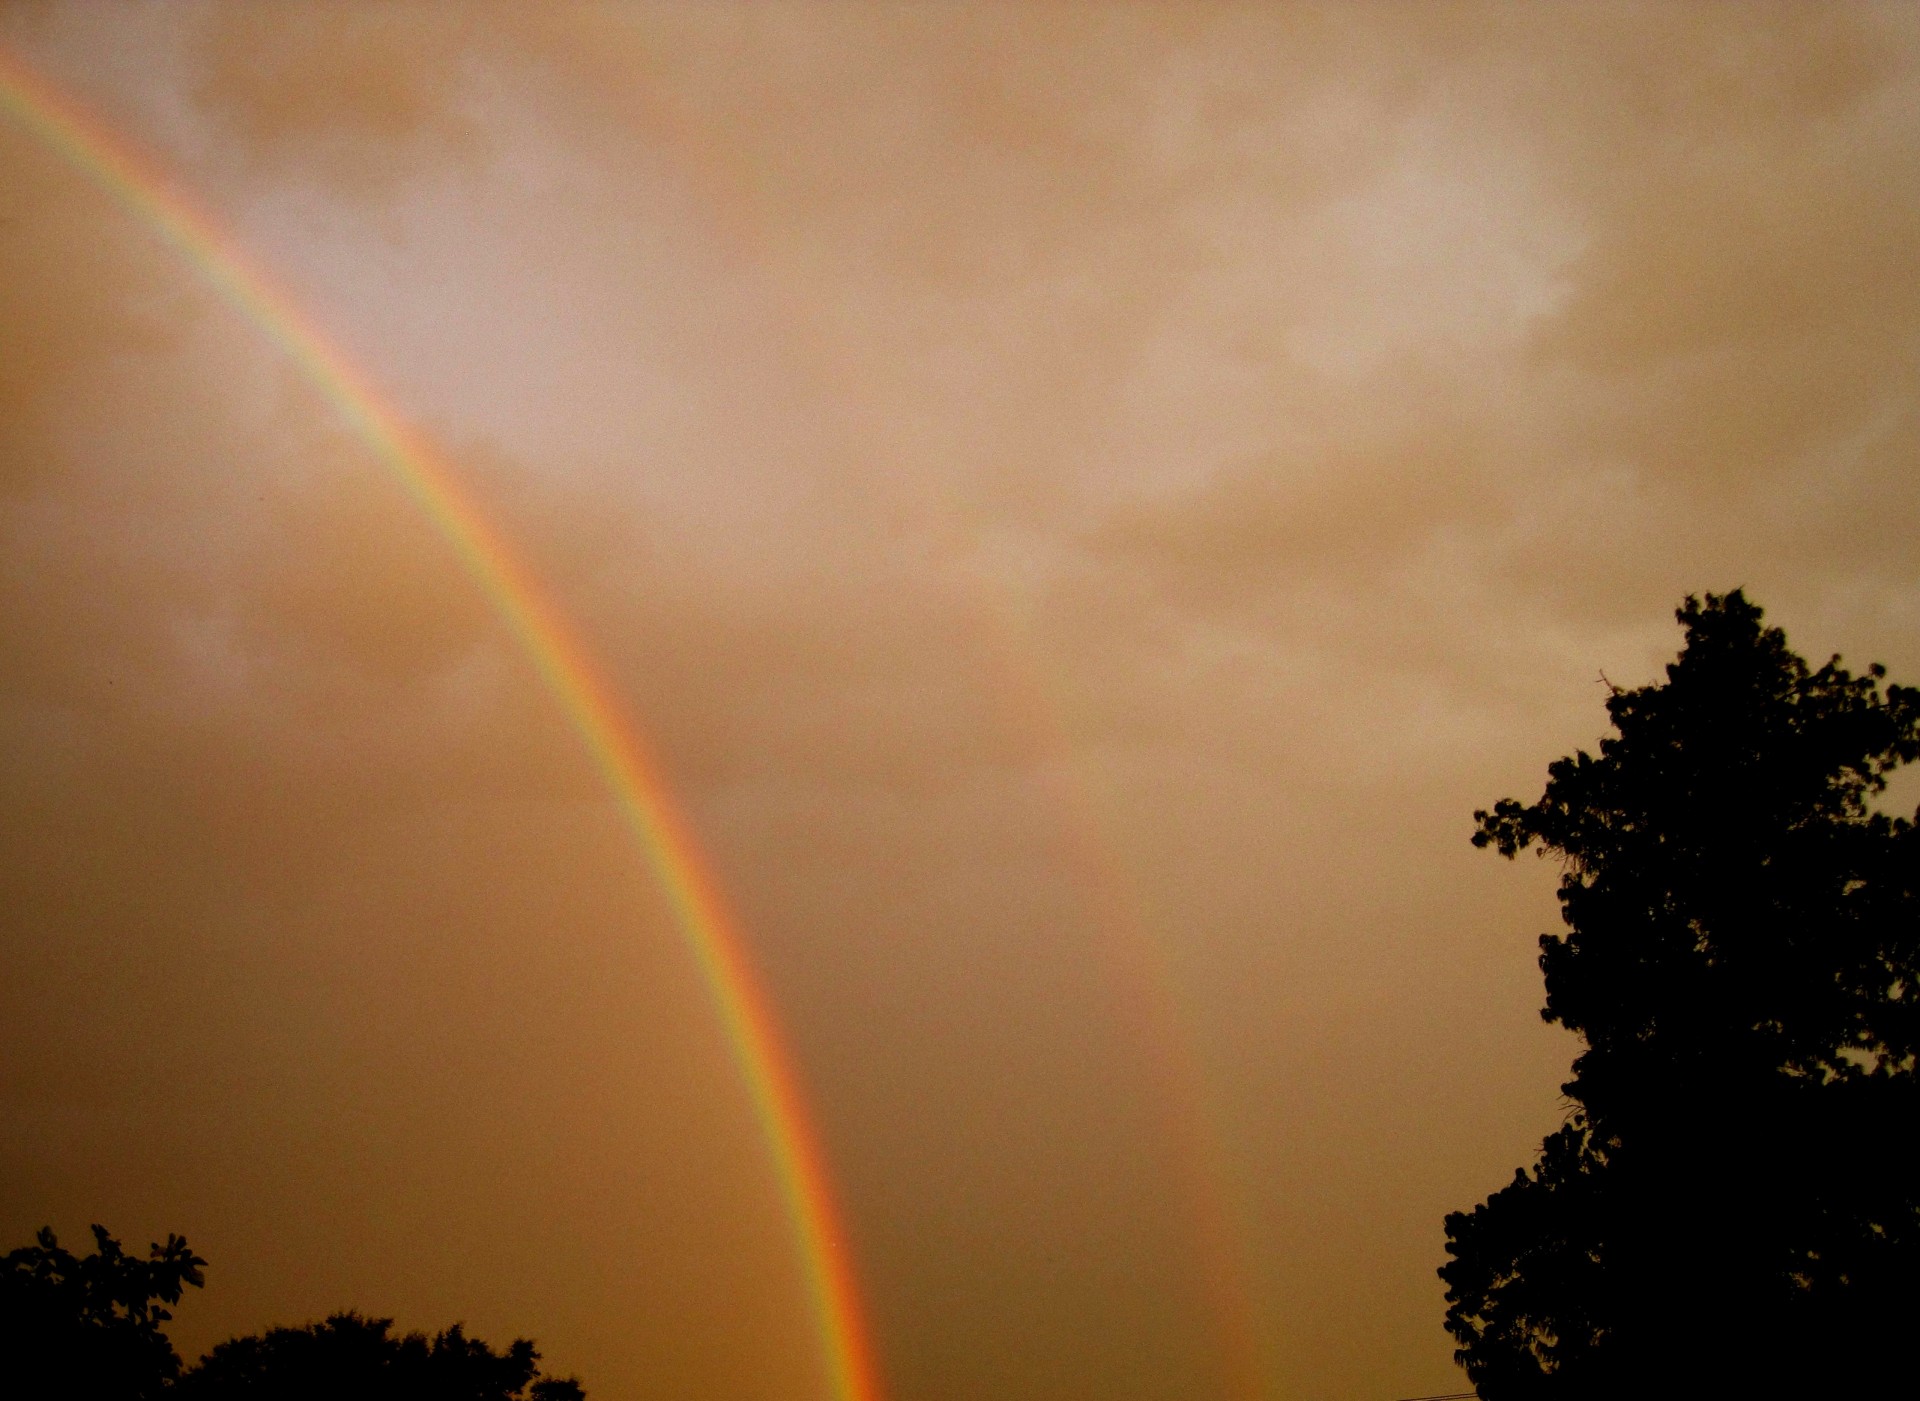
(557,654)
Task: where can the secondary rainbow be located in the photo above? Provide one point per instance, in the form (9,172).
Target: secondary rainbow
(555,651)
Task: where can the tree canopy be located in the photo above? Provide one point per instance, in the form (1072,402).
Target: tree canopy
(90,1329)
(1733,1203)
(349,1355)
(91,1326)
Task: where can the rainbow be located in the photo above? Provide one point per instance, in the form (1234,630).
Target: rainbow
(1142,980)
(556,652)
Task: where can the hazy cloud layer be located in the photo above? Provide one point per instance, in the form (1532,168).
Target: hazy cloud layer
(1063,488)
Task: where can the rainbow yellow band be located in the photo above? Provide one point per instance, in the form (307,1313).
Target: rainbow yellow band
(563,664)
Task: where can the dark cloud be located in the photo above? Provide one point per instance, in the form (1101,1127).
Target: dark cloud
(361,95)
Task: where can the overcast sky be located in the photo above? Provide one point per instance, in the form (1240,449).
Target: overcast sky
(1085,500)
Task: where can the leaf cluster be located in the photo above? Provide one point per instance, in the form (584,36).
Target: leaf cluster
(91,1326)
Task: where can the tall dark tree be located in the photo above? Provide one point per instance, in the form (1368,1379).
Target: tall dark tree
(1733,1205)
(90,1327)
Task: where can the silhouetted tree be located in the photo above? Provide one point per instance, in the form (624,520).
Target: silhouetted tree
(89,1328)
(349,1356)
(1733,1205)
(74,1329)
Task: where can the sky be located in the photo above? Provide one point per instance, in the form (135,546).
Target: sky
(1082,500)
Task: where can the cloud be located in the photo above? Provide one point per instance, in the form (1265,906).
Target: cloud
(1040,479)
(361,96)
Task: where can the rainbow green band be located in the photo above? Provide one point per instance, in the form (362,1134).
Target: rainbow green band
(556,652)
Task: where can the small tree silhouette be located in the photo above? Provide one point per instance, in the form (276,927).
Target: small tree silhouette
(362,1358)
(90,1330)
(89,1327)
(1733,1206)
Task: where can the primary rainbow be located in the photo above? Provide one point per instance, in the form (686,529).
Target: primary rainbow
(563,664)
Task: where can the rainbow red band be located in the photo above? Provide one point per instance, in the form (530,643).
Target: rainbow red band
(554,649)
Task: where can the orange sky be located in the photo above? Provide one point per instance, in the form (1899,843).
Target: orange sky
(1085,499)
